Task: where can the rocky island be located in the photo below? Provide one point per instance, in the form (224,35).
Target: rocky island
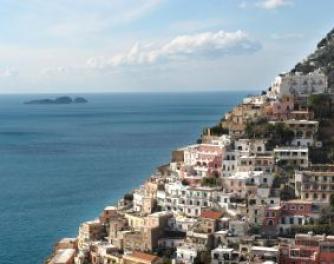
(58,100)
(258,187)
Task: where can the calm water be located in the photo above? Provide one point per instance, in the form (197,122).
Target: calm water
(62,164)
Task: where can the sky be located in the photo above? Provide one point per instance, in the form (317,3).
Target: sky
(79,46)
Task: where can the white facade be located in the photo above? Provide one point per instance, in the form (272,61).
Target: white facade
(222,255)
(229,163)
(189,200)
(246,145)
(138,199)
(186,254)
(203,153)
(296,156)
(298,84)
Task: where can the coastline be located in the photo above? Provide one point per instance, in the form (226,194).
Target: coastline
(257,187)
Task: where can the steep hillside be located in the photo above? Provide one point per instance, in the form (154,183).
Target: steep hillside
(322,58)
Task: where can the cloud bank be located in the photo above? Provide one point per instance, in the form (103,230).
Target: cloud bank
(207,45)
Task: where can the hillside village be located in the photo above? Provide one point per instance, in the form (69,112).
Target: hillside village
(258,187)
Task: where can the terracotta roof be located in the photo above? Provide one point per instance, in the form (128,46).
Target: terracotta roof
(144,256)
(211,214)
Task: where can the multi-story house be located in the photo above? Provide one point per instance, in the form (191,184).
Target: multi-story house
(297,212)
(229,163)
(279,109)
(257,204)
(298,84)
(224,255)
(246,181)
(315,184)
(308,248)
(237,119)
(88,232)
(305,131)
(189,199)
(187,253)
(294,156)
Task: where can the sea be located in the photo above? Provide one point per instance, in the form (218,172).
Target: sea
(61,165)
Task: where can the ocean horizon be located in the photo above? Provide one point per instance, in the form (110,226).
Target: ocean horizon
(62,164)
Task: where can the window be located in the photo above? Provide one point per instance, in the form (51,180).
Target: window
(291,221)
(292,207)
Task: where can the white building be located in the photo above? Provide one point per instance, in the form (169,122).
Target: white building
(295,156)
(238,182)
(305,131)
(246,145)
(255,100)
(299,84)
(187,253)
(200,153)
(189,200)
(229,163)
(138,199)
(221,255)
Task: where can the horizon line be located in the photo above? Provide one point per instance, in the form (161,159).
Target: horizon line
(129,92)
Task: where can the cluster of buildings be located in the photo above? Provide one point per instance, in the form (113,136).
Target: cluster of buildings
(229,199)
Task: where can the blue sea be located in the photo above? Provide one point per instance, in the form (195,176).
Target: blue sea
(62,164)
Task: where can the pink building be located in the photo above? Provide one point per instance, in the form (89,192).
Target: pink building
(279,109)
(308,248)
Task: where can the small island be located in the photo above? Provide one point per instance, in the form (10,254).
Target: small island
(59,100)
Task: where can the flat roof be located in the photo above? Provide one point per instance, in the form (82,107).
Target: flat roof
(270,249)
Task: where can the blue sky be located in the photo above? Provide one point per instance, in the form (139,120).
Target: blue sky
(154,45)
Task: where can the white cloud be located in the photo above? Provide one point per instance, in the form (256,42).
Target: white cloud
(207,45)
(273,4)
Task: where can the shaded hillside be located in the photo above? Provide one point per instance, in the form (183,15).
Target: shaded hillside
(322,58)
